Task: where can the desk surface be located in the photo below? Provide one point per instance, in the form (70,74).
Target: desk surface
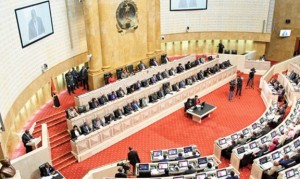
(202,112)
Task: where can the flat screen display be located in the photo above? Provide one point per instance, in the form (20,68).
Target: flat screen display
(221,173)
(264,140)
(275,155)
(184,5)
(263,160)
(290,173)
(273,134)
(143,167)
(285,33)
(287,150)
(234,136)
(222,141)
(34,22)
(187,149)
(296,143)
(253,145)
(201,176)
(157,153)
(172,152)
(182,164)
(245,131)
(202,161)
(162,166)
(254,126)
(241,150)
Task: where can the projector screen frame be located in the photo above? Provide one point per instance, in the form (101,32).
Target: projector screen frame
(192,9)
(23,44)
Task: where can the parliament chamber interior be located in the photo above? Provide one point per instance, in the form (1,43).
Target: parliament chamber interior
(185,89)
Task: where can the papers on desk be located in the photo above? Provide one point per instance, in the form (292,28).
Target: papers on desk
(190,110)
(267,165)
(34,142)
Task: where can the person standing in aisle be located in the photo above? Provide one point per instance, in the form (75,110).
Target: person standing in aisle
(239,85)
(231,89)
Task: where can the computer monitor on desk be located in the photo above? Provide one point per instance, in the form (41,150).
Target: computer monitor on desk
(296,143)
(263,140)
(172,152)
(253,145)
(157,153)
(234,136)
(187,149)
(275,155)
(290,173)
(163,166)
(221,173)
(287,149)
(144,167)
(202,161)
(245,131)
(182,164)
(240,150)
(201,176)
(263,160)
(222,141)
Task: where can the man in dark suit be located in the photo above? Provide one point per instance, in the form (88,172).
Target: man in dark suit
(127,109)
(85,128)
(160,94)
(190,170)
(70,82)
(47,170)
(188,65)
(141,66)
(120,174)
(120,92)
(134,105)
(153,98)
(108,118)
(26,138)
(250,79)
(158,76)
(165,74)
(145,83)
(179,157)
(84,77)
(133,158)
(137,85)
(35,26)
(197,62)
(175,87)
(182,84)
(189,81)
(153,79)
(261,152)
(180,68)
(103,100)
(296,157)
(200,75)
(75,132)
(97,123)
(94,103)
(118,113)
(239,85)
(172,72)
(113,96)
(153,62)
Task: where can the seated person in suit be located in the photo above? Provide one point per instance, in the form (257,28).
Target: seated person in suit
(153,79)
(120,174)
(97,123)
(180,68)
(200,75)
(242,140)
(145,83)
(103,100)
(143,102)
(153,62)
(72,113)
(189,81)
(153,98)
(120,92)
(26,138)
(285,161)
(85,128)
(265,130)
(254,136)
(94,103)
(196,100)
(164,158)
(47,170)
(188,104)
(172,72)
(75,132)
(175,87)
(124,74)
(118,113)
(113,96)
(159,76)
(296,157)
(232,175)
(182,84)
(221,66)
(227,152)
(263,150)
(209,167)
(179,157)
(216,68)
(141,66)
(109,118)
(188,65)
(206,73)
(111,79)
(197,62)
(160,93)
(194,78)
(165,74)
(134,105)
(137,85)
(127,109)
(202,59)
(190,170)
(274,168)
(167,90)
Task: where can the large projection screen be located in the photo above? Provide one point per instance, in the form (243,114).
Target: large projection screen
(34,22)
(186,5)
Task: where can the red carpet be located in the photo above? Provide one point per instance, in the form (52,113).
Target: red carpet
(176,130)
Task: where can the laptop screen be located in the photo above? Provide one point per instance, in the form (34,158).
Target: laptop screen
(143,167)
(253,145)
(290,173)
(187,149)
(296,143)
(245,131)
(202,160)
(240,150)
(172,152)
(234,136)
(157,153)
(287,149)
(273,134)
(222,141)
(261,120)
(201,176)
(275,155)
(182,164)
(264,140)
(254,126)
(162,165)
(263,160)
(221,173)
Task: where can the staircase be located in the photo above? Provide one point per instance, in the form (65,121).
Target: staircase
(59,139)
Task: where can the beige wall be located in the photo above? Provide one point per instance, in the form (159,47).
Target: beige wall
(283,48)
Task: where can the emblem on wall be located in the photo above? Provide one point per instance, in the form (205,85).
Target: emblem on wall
(127,16)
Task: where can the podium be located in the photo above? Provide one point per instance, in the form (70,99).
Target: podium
(34,142)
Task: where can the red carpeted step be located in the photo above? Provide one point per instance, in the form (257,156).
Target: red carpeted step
(65,164)
(58,128)
(60,141)
(59,135)
(62,158)
(50,117)
(62,149)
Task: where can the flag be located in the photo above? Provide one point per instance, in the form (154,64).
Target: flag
(53,90)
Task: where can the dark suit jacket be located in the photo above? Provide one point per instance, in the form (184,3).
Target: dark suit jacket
(44,172)
(127,109)
(189,171)
(26,138)
(159,77)
(85,129)
(296,158)
(233,177)
(171,72)
(120,175)
(118,113)
(73,135)
(160,94)
(165,74)
(175,87)
(120,93)
(141,66)
(95,126)
(180,69)
(133,157)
